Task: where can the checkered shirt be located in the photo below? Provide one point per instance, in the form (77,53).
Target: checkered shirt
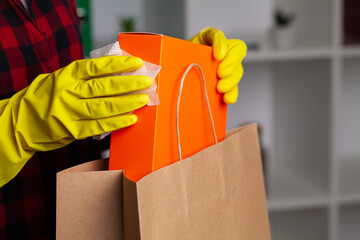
(40,40)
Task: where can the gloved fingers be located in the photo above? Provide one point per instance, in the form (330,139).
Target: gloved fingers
(95,108)
(235,68)
(215,38)
(88,128)
(231,43)
(228,83)
(108,65)
(231,96)
(233,59)
(109,86)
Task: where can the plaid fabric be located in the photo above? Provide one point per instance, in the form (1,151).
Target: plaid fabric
(41,40)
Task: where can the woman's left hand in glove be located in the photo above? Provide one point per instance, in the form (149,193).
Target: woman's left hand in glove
(230,52)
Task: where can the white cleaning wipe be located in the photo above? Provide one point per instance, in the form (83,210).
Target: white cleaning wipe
(148,69)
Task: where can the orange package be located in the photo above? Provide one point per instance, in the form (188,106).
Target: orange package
(151,143)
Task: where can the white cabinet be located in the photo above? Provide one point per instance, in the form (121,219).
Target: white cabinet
(184,18)
(306,100)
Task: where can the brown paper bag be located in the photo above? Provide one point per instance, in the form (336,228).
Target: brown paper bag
(89,202)
(216,194)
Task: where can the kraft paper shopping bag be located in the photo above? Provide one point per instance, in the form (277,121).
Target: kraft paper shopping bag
(216,194)
(89,202)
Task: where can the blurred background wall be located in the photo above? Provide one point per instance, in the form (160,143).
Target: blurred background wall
(301,84)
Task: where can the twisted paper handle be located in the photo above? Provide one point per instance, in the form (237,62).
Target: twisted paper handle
(178,105)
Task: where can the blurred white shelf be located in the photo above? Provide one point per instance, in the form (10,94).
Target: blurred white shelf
(288,55)
(351,52)
(296,54)
(349,199)
(298,204)
(289,193)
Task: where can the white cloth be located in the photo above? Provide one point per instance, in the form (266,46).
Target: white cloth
(148,69)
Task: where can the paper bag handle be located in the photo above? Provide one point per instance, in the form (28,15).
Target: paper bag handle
(178,105)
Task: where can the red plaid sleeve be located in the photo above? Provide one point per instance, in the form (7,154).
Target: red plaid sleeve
(41,40)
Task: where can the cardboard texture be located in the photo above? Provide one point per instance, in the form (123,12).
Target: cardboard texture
(151,143)
(88,203)
(216,194)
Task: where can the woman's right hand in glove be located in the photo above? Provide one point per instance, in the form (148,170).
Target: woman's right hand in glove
(74,102)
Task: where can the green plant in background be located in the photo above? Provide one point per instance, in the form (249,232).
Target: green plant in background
(84,10)
(127,24)
(282,18)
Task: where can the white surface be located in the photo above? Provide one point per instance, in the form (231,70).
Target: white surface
(284,205)
(254,91)
(301,119)
(320,167)
(302,53)
(234,17)
(105,19)
(288,55)
(307,183)
(185,18)
(312,24)
(166,17)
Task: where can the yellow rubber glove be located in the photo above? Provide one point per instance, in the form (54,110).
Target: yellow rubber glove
(230,52)
(74,102)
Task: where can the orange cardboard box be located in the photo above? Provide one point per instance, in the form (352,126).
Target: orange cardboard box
(151,143)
